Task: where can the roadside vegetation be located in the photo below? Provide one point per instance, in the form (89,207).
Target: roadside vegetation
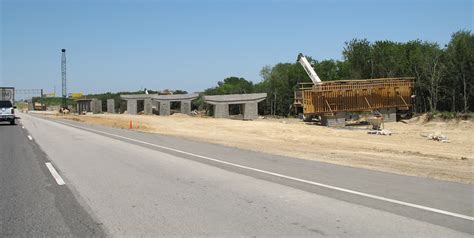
(443,76)
(446,116)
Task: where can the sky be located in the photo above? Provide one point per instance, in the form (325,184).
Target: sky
(129,45)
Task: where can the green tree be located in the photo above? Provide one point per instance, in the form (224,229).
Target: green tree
(178,91)
(358,55)
(388,59)
(327,70)
(280,82)
(425,61)
(231,85)
(460,69)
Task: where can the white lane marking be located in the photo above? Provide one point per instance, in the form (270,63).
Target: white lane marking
(30,138)
(55,174)
(435,210)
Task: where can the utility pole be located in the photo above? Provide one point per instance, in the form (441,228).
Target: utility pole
(63,77)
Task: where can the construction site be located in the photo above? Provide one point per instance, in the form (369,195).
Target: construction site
(213,118)
(358,123)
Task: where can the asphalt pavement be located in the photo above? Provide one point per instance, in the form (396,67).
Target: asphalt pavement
(141,184)
(31,202)
(127,183)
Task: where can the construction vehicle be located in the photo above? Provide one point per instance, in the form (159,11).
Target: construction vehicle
(7,108)
(332,101)
(39,106)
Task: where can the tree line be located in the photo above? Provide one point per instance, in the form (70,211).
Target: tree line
(443,75)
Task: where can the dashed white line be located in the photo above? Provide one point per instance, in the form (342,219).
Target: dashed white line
(55,174)
(30,138)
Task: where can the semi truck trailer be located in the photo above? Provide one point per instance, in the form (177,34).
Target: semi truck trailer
(7,107)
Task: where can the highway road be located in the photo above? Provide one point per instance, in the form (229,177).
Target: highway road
(31,203)
(126,183)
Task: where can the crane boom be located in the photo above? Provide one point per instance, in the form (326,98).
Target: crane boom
(309,69)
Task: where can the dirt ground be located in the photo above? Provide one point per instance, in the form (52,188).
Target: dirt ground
(407,151)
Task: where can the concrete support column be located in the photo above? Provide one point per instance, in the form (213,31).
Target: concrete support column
(110,106)
(132,106)
(250,111)
(87,106)
(155,107)
(389,114)
(186,107)
(96,106)
(221,110)
(92,106)
(165,108)
(339,119)
(147,107)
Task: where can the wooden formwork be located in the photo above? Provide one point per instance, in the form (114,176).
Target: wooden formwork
(357,96)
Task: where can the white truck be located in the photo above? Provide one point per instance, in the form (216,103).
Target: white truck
(7,109)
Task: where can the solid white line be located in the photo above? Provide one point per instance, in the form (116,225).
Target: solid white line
(287,177)
(30,138)
(55,174)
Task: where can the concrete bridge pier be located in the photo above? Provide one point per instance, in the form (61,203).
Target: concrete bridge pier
(96,106)
(186,107)
(250,110)
(249,101)
(161,102)
(110,106)
(184,99)
(83,105)
(132,106)
(89,105)
(165,108)
(147,106)
(221,110)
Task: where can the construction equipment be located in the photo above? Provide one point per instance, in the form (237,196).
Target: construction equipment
(39,106)
(309,69)
(331,100)
(76,95)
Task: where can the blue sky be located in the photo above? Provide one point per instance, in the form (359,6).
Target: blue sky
(129,45)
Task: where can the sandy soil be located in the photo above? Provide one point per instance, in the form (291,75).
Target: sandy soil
(407,151)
